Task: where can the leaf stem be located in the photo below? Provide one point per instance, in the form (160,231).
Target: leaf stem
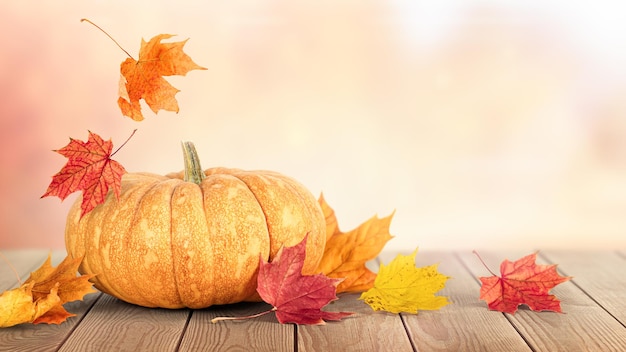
(19,281)
(215,320)
(123,144)
(482,261)
(108,35)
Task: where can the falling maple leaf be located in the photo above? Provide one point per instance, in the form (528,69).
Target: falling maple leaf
(402,287)
(295,298)
(143,78)
(89,168)
(346,253)
(41,297)
(522,282)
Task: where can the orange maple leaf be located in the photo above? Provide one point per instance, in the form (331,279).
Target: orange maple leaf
(89,168)
(143,78)
(346,253)
(522,282)
(41,297)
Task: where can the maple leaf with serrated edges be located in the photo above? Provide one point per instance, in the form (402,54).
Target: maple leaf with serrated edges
(89,168)
(346,253)
(402,287)
(295,298)
(522,282)
(41,297)
(143,78)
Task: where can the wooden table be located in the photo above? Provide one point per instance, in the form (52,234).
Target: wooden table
(594,318)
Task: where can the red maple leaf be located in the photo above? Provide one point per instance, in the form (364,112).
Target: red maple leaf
(295,298)
(522,282)
(89,168)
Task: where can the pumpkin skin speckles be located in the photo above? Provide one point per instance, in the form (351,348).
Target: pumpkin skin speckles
(198,243)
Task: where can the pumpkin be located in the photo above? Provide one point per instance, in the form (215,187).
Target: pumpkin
(193,239)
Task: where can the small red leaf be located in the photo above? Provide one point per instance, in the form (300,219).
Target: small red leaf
(522,282)
(296,298)
(89,168)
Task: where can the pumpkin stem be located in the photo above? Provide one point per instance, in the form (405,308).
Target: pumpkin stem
(193,170)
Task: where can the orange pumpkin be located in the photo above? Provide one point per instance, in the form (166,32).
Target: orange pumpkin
(193,239)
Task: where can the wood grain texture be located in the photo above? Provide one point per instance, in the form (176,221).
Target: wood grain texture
(599,274)
(263,333)
(113,325)
(463,325)
(593,306)
(584,325)
(365,331)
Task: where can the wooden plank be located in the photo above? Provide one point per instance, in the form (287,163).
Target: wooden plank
(584,326)
(259,334)
(463,325)
(365,331)
(24,261)
(599,274)
(113,325)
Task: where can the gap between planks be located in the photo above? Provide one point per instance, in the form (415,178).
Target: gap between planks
(598,275)
(463,325)
(591,320)
(584,325)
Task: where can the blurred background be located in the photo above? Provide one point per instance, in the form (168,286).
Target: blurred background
(483,124)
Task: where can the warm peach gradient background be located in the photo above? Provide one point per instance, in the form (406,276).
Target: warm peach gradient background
(482,125)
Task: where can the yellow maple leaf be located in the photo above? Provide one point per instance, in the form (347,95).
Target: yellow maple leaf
(17,305)
(346,253)
(402,287)
(41,297)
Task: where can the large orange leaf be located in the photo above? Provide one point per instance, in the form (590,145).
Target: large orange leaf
(89,168)
(143,78)
(41,297)
(70,286)
(346,253)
